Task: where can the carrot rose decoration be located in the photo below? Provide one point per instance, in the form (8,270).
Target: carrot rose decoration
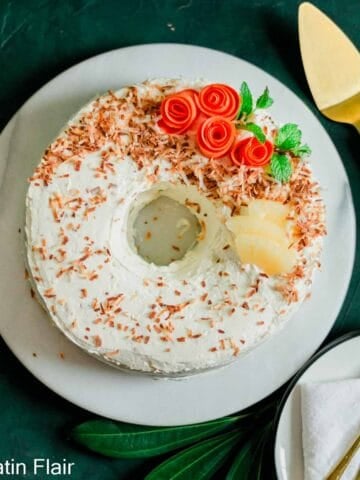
(217,115)
(218,99)
(215,137)
(178,112)
(249,151)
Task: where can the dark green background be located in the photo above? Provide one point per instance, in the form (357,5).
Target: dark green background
(39,39)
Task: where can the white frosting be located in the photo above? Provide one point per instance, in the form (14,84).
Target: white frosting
(213,319)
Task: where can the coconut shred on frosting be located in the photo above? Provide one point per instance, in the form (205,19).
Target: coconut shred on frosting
(198,312)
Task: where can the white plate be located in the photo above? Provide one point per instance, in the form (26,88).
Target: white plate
(338,361)
(139,399)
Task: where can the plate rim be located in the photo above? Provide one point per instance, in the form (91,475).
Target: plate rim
(294,381)
(260,70)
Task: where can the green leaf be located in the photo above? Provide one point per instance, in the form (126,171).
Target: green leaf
(261,457)
(199,462)
(281,168)
(123,440)
(249,463)
(241,468)
(288,137)
(264,101)
(255,129)
(247,100)
(301,151)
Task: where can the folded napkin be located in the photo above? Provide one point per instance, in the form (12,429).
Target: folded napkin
(330,425)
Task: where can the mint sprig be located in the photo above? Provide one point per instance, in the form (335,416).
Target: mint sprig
(255,130)
(247,105)
(264,101)
(247,108)
(287,143)
(301,150)
(247,101)
(281,167)
(288,137)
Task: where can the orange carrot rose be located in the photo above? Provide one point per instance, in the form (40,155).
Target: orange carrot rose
(218,99)
(249,151)
(215,137)
(178,111)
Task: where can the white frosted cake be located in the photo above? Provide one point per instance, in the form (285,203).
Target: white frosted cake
(256,205)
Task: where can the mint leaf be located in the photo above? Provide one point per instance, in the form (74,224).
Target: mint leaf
(247,100)
(288,137)
(264,101)
(281,168)
(255,129)
(301,151)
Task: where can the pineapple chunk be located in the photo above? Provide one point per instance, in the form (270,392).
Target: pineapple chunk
(262,236)
(270,256)
(269,209)
(257,226)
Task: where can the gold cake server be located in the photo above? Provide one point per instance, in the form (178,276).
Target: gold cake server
(332,66)
(340,468)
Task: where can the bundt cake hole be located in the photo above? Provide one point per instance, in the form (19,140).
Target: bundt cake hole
(165,230)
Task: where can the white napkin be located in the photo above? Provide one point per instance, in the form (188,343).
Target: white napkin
(330,424)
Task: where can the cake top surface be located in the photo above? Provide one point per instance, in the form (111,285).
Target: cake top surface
(114,157)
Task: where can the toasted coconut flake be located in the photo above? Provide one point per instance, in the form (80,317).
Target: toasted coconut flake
(97,341)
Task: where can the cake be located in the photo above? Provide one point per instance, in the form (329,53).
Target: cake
(242,176)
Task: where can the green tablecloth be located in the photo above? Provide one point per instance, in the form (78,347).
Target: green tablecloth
(39,39)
